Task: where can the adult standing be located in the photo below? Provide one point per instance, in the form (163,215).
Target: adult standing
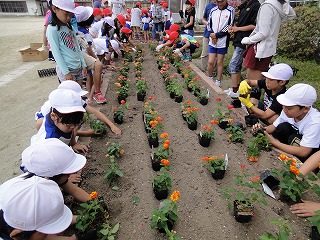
(206,35)
(263,40)
(118,7)
(156,18)
(242,28)
(136,20)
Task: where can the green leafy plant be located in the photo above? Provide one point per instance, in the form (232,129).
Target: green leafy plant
(292,182)
(119,112)
(245,191)
(262,142)
(155,126)
(166,215)
(162,182)
(178,89)
(95,124)
(113,171)
(214,163)
(315,220)
(283,234)
(253,152)
(93,217)
(203,94)
(114,149)
(164,148)
(191,114)
(207,132)
(235,133)
(141,85)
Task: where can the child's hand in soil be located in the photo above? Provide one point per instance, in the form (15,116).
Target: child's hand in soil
(116,130)
(305,209)
(74,178)
(257,127)
(80,148)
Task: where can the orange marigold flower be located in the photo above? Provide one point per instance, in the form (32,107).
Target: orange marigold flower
(115,108)
(175,196)
(206,159)
(121,151)
(195,109)
(214,122)
(165,146)
(164,135)
(93,195)
(165,162)
(159,119)
(117,84)
(230,135)
(167,141)
(122,101)
(255,179)
(207,128)
(253,159)
(146,103)
(230,120)
(283,156)
(188,101)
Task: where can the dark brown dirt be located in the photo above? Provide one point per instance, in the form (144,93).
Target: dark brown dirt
(203,213)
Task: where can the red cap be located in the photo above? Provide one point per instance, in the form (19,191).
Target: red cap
(76,5)
(144,10)
(138,4)
(164,4)
(121,19)
(97,11)
(126,30)
(193,2)
(173,36)
(167,32)
(107,12)
(174,28)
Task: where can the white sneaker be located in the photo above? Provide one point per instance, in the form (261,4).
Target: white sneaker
(233,94)
(228,90)
(211,78)
(218,83)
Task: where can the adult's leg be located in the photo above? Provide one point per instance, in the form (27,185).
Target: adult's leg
(204,54)
(153,31)
(254,74)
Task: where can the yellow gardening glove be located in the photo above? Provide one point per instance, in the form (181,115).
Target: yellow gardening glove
(246,101)
(244,88)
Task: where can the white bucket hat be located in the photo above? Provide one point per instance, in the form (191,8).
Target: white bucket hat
(114,45)
(51,157)
(72,85)
(299,94)
(66,5)
(66,101)
(35,204)
(110,21)
(83,13)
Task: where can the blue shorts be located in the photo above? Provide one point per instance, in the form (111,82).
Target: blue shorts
(222,51)
(236,60)
(146,27)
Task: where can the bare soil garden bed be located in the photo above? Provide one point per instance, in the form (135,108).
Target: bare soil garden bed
(203,213)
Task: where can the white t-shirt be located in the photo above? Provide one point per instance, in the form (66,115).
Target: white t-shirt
(118,6)
(308,127)
(95,27)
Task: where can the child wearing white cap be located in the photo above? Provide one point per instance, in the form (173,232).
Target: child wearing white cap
(66,114)
(34,209)
(71,85)
(275,83)
(297,129)
(52,159)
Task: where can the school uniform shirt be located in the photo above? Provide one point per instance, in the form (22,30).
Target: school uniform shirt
(270,101)
(146,23)
(219,22)
(65,48)
(206,14)
(308,127)
(96,27)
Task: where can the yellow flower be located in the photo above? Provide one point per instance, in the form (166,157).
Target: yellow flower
(93,195)
(175,196)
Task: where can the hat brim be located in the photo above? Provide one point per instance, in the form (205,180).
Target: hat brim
(268,75)
(70,109)
(76,165)
(72,10)
(283,100)
(58,226)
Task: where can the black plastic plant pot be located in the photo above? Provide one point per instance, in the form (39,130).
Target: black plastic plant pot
(251,120)
(156,166)
(203,141)
(140,97)
(120,98)
(178,99)
(159,66)
(118,119)
(196,92)
(170,227)
(179,71)
(218,174)
(153,142)
(269,180)
(236,103)
(223,124)
(162,194)
(184,117)
(172,95)
(242,212)
(238,124)
(189,89)
(204,101)
(87,236)
(192,126)
(314,235)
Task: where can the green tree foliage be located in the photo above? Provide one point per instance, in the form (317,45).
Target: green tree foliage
(300,38)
